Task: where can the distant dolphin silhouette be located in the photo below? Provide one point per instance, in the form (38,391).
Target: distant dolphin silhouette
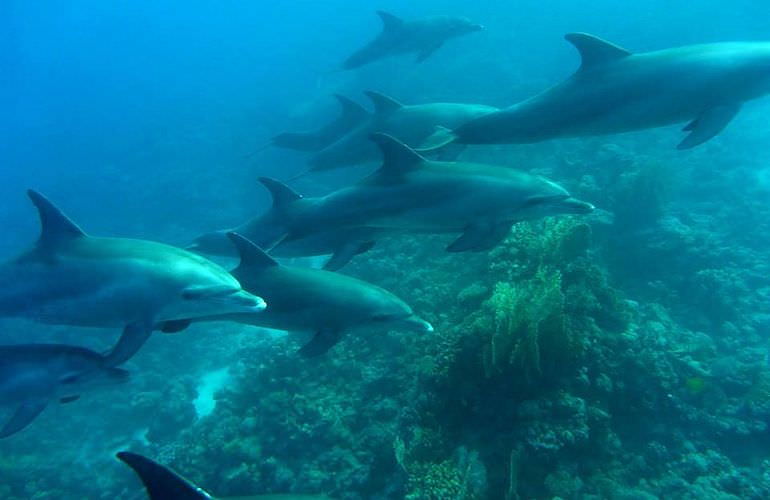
(412,124)
(616,91)
(268,231)
(32,375)
(421,36)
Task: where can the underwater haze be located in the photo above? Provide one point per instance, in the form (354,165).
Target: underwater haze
(619,354)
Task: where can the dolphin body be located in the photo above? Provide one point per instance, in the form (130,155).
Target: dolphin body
(267,231)
(412,193)
(421,36)
(161,483)
(312,300)
(616,91)
(411,124)
(73,279)
(32,375)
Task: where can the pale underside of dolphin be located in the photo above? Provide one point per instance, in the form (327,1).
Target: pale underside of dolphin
(616,91)
(161,483)
(71,278)
(422,37)
(33,375)
(315,301)
(412,193)
(345,141)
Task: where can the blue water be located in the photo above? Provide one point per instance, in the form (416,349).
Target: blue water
(139,119)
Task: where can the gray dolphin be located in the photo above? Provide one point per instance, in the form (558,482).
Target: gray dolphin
(411,124)
(410,192)
(616,91)
(421,36)
(268,231)
(161,483)
(320,302)
(73,279)
(351,115)
(32,375)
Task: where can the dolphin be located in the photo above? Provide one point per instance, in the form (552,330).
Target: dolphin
(32,375)
(411,124)
(412,193)
(161,483)
(421,36)
(267,231)
(71,278)
(616,91)
(351,115)
(320,302)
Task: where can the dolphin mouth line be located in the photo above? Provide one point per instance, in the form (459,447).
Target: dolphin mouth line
(576,206)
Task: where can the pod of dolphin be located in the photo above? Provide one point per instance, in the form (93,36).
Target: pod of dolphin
(71,278)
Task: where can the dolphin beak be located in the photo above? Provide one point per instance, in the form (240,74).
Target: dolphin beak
(417,324)
(194,246)
(251,303)
(478,27)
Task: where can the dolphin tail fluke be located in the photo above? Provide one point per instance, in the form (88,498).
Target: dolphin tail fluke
(161,482)
(24,415)
(439,139)
(708,125)
(131,340)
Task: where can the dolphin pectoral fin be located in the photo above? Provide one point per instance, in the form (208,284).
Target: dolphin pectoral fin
(344,254)
(131,340)
(480,236)
(440,138)
(174,325)
(69,399)
(708,124)
(25,414)
(321,342)
(426,53)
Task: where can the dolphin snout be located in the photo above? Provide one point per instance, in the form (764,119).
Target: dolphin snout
(418,324)
(250,302)
(477,27)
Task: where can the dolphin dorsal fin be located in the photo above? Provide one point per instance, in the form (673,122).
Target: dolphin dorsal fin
(161,482)
(397,157)
(383,104)
(55,227)
(352,112)
(389,21)
(594,51)
(251,255)
(281,193)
